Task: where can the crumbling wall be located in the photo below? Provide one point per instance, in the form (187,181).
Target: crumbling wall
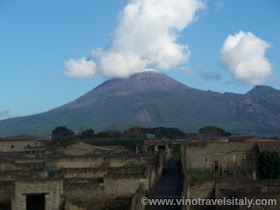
(77,162)
(229,155)
(95,193)
(121,186)
(96,161)
(82,182)
(52,189)
(7,189)
(17,146)
(241,187)
(234,187)
(136,200)
(154,171)
(201,189)
(84,193)
(99,172)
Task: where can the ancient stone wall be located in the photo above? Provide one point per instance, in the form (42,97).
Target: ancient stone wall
(155,171)
(122,186)
(16,146)
(77,182)
(99,172)
(96,161)
(136,200)
(241,187)
(202,189)
(84,192)
(52,189)
(223,156)
(234,187)
(7,189)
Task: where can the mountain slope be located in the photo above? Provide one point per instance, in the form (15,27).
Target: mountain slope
(153,99)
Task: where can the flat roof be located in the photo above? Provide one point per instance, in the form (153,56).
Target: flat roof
(18,138)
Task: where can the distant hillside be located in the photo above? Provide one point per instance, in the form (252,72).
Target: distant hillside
(151,99)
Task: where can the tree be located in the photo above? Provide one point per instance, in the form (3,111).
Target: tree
(62,133)
(89,133)
(269,165)
(212,132)
(102,134)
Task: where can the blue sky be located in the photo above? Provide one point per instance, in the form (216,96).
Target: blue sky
(38,37)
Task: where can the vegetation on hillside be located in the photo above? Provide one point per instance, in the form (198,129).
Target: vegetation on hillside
(269,165)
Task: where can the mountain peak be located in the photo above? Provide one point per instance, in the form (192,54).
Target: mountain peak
(262,89)
(150,71)
(148,79)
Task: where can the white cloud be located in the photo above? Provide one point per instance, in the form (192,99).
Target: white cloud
(80,68)
(145,36)
(243,55)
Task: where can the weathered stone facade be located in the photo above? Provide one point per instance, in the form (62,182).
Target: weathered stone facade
(19,144)
(51,189)
(220,157)
(226,169)
(95,180)
(234,187)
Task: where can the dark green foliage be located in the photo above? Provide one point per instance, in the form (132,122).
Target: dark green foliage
(269,165)
(62,132)
(213,132)
(129,138)
(109,134)
(62,135)
(89,133)
(160,132)
(102,134)
(170,133)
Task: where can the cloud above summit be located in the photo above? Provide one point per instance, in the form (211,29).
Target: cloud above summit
(145,36)
(80,68)
(243,55)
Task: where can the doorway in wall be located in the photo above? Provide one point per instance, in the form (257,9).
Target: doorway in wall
(35,202)
(216,166)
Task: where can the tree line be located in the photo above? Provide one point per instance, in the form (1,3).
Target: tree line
(63,135)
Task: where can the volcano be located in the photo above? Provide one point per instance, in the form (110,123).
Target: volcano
(150,99)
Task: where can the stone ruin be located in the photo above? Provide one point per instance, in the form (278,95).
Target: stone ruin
(78,177)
